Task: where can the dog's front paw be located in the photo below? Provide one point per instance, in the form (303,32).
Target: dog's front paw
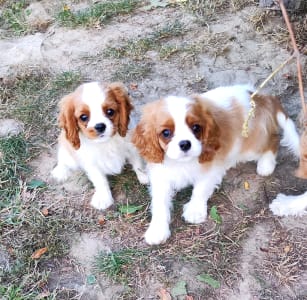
(101,200)
(157,234)
(289,205)
(60,173)
(266,164)
(194,213)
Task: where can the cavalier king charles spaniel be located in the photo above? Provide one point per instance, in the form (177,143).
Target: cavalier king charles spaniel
(194,140)
(94,121)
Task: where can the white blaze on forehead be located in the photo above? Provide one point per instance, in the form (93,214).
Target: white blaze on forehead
(94,96)
(177,107)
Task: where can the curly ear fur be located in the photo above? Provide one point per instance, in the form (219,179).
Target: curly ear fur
(123,100)
(210,137)
(68,121)
(145,138)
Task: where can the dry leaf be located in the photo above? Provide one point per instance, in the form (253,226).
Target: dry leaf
(246,185)
(133,86)
(38,253)
(101,220)
(164,294)
(45,211)
(43,295)
(287,249)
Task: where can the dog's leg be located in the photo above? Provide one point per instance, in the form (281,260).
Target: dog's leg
(138,166)
(266,163)
(65,165)
(195,211)
(102,197)
(289,205)
(158,230)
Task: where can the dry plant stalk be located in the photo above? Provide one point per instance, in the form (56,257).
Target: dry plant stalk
(302,169)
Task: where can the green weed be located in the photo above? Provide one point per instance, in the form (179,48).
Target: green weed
(96,14)
(136,49)
(13,18)
(32,99)
(118,263)
(131,71)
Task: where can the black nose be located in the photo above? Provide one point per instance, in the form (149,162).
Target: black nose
(185,145)
(100,127)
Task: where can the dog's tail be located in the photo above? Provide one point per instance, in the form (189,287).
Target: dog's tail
(290,138)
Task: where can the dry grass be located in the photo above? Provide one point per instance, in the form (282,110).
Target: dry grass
(286,257)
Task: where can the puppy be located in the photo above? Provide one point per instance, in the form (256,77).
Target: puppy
(94,121)
(194,140)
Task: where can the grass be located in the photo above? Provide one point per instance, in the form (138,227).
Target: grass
(206,10)
(117,265)
(13,18)
(137,48)
(131,71)
(32,100)
(95,15)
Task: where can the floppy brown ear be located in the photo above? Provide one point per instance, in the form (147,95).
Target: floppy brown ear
(121,95)
(68,121)
(145,138)
(210,137)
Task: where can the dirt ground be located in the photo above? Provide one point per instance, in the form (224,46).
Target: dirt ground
(251,254)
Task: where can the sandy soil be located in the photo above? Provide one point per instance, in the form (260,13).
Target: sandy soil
(256,267)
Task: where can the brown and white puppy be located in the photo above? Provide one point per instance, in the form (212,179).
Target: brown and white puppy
(94,121)
(194,140)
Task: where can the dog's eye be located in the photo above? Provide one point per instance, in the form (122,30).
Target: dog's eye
(110,112)
(83,118)
(166,133)
(196,128)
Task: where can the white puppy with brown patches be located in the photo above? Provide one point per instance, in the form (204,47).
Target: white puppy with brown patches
(94,137)
(195,140)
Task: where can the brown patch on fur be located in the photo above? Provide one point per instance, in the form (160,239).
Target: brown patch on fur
(210,132)
(68,121)
(119,100)
(146,135)
(263,127)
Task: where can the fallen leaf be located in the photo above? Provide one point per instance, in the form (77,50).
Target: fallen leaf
(246,185)
(43,295)
(164,294)
(45,211)
(287,249)
(209,280)
(91,279)
(215,215)
(39,252)
(129,209)
(179,289)
(35,184)
(101,220)
(133,86)
(264,249)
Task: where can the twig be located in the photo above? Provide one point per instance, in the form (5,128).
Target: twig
(297,55)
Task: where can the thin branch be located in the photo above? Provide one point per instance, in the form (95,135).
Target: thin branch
(297,54)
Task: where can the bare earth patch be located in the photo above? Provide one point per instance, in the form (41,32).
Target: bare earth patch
(251,254)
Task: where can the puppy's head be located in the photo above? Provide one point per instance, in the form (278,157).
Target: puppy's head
(97,111)
(176,128)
